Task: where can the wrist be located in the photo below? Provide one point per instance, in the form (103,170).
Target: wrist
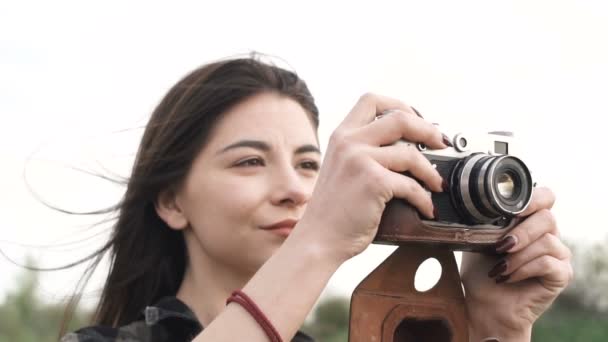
(484,326)
(480,330)
(316,245)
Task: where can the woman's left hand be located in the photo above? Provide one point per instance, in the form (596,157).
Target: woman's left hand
(505,294)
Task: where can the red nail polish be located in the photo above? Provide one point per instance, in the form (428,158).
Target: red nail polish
(505,244)
(499,268)
(444,185)
(446,140)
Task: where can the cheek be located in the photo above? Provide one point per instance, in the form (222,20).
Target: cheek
(223,203)
(222,218)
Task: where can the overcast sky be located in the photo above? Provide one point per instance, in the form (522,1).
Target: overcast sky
(78,81)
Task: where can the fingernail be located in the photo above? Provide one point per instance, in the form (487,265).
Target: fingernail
(505,244)
(499,268)
(446,140)
(415,111)
(502,278)
(444,185)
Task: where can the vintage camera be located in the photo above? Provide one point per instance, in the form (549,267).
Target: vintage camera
(487,186)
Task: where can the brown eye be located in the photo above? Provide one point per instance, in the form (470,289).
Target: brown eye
(310,165)
(250,162)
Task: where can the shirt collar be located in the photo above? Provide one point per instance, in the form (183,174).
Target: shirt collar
(168,308)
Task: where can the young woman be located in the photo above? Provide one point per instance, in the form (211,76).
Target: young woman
(227,193)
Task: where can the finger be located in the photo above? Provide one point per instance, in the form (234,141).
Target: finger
(542,198)
(528,231)
(401,125)
(551,271)
(404,157)
(370,105)
(548,244)
(408,189)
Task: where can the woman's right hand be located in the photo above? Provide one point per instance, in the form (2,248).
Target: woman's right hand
(361,172)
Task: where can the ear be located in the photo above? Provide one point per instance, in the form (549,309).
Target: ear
(168,209)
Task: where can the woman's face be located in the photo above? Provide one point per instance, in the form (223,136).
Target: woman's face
(257,169)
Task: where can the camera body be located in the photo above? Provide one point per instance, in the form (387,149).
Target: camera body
(486,185)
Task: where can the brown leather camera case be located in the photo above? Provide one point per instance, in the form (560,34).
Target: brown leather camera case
(386,307)
(401,224)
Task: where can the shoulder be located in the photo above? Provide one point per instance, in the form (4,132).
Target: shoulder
(168,320)
(134,332)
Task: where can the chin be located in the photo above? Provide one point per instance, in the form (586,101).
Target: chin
(262,256)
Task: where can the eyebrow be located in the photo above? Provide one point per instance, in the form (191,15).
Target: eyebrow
(262,146)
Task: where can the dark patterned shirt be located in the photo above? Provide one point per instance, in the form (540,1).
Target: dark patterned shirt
(169,320)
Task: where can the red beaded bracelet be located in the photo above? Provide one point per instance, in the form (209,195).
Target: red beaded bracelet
(240,297)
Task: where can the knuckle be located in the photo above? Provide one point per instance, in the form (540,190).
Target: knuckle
(374,178)
(568,252)
(555,246)
(408,186)
(337,136)
(368,97)
(570,273)
(551,242)
(522,235)
(339,142)
(550,196)
(355,161)
(417,191)
(403,119)
(547,262)
(547,216)
(376,181)
(555,230)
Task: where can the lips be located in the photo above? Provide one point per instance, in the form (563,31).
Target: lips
(285,224)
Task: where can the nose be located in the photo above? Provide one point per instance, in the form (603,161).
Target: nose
(290,188)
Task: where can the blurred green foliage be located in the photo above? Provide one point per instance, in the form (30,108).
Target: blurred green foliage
(25,318)
(330,323)
(580,313)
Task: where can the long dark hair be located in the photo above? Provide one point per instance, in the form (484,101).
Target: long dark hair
(147,258)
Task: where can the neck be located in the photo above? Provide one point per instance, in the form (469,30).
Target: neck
(207,284)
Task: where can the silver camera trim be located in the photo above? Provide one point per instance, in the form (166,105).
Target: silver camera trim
(480,185)
(458,145)
(466,194)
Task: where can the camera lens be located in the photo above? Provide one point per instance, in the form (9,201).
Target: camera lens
(490,187)
(505,185)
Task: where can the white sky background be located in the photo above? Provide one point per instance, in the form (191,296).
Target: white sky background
(78,81)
